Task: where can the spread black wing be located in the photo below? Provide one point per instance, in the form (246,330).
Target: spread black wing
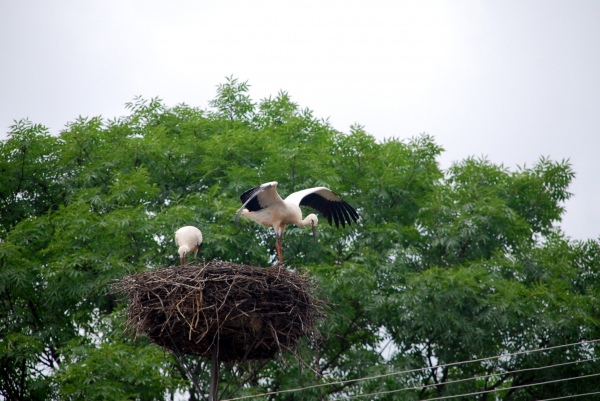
(254,201)
(249,199)
(331,206)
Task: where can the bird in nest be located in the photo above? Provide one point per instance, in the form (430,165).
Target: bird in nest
(188,239)
(264,205)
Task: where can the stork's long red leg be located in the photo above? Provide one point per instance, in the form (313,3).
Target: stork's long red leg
(278,246)
(278,241)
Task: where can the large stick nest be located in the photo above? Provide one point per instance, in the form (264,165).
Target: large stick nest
(247,312)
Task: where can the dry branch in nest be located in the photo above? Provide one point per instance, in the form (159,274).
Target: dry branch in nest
(248,312)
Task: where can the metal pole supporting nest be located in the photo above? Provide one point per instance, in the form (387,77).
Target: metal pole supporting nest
(213,394)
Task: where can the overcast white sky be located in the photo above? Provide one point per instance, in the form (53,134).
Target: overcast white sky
(510,80)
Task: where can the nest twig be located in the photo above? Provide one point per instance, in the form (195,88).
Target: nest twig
(247,312)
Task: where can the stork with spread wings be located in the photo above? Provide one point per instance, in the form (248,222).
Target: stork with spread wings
(264,205)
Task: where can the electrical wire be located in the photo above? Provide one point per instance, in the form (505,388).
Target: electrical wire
(494,390)
(568,396)
(472,378)
(409,371)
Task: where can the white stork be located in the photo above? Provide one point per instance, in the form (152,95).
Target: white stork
(264,205)
(188,239)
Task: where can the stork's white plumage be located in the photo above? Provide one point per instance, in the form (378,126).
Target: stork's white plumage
(264,205)
(188,239)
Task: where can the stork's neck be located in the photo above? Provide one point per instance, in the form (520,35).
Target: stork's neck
(310,220)
(305,222)
(183,249)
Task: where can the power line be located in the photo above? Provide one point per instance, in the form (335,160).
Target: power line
(568,396)
(495,390)
(469,378)
(409,371)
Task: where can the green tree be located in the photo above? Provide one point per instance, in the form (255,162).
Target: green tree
(443,267)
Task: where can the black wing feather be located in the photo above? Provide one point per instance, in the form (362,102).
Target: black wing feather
(351,212)
(250,200)
(336,217)
(334,211)
(253,205)
(328,216)
(344,213)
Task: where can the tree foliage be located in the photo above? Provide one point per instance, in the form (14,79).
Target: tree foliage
(443,267)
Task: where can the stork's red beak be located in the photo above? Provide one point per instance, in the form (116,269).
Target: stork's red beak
(314,228)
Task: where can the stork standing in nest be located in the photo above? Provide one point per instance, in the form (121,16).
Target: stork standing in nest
(264,205)
(188,239)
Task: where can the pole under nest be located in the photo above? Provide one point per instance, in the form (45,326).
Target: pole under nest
(214,375)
